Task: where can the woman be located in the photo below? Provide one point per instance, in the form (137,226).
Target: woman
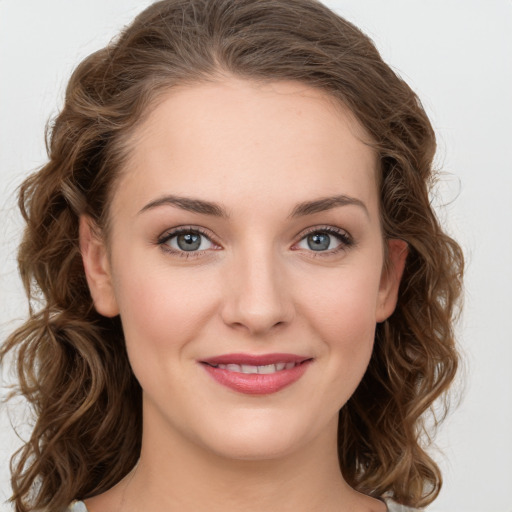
(248,300)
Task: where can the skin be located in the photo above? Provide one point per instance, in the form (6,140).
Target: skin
(255,286)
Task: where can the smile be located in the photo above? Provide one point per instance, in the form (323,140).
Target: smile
(257,375)
(249,369)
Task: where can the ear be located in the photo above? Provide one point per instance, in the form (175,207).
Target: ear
(97,268)
(390,279)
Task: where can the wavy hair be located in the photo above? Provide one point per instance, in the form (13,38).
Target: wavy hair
(71,362)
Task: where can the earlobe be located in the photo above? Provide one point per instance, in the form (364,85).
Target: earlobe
(97,268)
(397,251)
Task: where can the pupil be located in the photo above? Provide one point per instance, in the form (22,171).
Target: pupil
(189,242)
(319,241)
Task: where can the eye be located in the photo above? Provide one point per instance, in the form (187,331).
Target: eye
(186,240)
(330,240)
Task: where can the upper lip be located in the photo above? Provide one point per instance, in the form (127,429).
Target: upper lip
(255,360)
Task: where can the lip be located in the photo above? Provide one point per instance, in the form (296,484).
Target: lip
(256,359)
(256,383)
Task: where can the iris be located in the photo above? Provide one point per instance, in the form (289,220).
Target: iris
(319,241)
(189,241)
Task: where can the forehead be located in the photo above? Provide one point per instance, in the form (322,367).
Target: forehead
(236,138)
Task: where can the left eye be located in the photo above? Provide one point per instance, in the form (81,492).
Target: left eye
(187,241)
(323,241)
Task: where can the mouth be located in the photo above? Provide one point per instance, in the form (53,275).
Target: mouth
(257,374)
(261,369)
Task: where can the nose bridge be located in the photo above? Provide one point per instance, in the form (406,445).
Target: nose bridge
(258,297)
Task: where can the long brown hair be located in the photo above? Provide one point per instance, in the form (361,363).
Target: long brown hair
(71,361)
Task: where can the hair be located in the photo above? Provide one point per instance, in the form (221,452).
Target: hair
(71,362)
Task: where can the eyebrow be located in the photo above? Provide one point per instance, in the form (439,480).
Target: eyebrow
(216,210)
(189,204)
(326,203)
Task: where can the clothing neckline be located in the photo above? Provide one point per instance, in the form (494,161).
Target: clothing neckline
(79,506)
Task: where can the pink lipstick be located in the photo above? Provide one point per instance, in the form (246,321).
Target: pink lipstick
(256,374)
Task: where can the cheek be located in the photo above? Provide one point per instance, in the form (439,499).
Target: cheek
(342,313)
(349,339)
(343,303)
(161,311)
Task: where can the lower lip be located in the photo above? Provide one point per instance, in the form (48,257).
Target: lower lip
(257,383)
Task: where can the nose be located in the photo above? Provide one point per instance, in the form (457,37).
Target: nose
(258,296)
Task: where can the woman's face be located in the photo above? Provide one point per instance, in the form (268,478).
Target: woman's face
(246,262)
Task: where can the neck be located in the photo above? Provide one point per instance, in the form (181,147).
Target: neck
(176,473)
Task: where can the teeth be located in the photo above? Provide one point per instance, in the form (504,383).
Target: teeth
(248,369)
(263,369)
(269,368)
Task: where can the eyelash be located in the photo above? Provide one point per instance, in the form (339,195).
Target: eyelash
(343,237)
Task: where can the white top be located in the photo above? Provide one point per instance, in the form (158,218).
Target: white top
(77,506)
(396,507)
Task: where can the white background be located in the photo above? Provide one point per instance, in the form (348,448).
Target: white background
(458,56)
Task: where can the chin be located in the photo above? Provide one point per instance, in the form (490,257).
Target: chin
(249,448)
(259,437)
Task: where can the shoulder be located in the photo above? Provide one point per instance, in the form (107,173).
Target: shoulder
(77,506)
(396,507)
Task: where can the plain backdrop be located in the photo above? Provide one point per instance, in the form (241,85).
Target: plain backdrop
(458,56)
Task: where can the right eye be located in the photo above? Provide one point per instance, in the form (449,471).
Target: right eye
(186,241)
